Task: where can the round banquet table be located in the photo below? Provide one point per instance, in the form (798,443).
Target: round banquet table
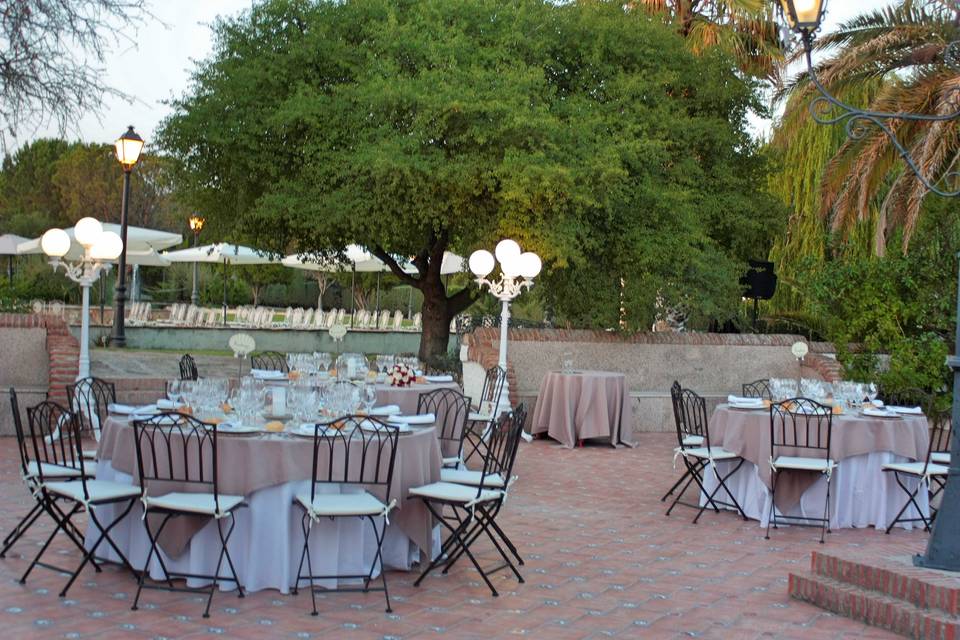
(861,494)
(581,405)
(406,397)
(270,470)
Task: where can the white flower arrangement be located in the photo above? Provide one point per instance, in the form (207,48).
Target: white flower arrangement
(401,376)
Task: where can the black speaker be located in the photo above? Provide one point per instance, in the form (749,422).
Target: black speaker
(760,282)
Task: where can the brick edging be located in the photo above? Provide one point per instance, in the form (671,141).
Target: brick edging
(63,350)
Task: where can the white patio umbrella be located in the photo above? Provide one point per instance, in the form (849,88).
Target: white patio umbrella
(358,260)
(139,240)
(8,247)
(222,253)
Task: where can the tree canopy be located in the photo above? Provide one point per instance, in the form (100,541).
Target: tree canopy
(588,133)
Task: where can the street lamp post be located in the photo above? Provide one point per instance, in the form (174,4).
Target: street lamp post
(127,148)
(196,225)
(517,271)
(99,247)
(804,18)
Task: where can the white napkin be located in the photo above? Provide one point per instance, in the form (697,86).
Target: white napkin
(402,427)
(443,378)
(267,374)
(426,418)
(386,410)
(168,405)
(879,413)
(127,409)
(744,401)
(913,411)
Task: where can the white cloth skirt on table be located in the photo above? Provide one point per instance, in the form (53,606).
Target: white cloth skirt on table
(861,493)
(266,542)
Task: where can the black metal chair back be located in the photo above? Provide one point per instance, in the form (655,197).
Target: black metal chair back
(452,409)
(501,449)
(269,361)
(55,438)
(757,389)
(518,418)
(690,415)
(188,368)
(177,448)
(801,425)
(940,434)
(89,399)
(493,383)
(22,446)
(355,450)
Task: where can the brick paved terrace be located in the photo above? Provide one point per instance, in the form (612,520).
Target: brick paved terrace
(602,561)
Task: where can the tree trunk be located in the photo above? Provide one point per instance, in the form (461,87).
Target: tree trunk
(436,324)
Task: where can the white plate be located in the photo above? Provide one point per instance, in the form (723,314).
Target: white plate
(401,428)
(237,430)
(129,410)
(747,407)
(880,413)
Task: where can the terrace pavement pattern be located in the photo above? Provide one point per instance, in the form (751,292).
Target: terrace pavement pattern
(602,561)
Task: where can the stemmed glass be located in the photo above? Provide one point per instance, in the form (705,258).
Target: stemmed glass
(368,397)
(173,390)
(872,390)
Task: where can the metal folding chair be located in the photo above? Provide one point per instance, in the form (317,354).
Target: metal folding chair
(28,473)
(697,454)
(55,435)
(353,452)
(269,361)
(474,507)
(90,398)
(451,409)
(177,453)
(930,473)
(800,426)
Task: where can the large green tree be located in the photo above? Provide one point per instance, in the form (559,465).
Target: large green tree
(589,133)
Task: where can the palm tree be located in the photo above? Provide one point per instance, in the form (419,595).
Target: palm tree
(897,57)
(747,29)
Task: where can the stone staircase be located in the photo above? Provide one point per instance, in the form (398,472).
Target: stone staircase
(889,593)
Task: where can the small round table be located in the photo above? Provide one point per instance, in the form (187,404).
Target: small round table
(582,405)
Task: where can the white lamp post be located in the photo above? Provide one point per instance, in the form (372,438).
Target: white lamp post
(99,248)
(517,271)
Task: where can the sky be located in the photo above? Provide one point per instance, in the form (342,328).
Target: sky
(156,67)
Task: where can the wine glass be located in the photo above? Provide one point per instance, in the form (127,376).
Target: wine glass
(173,390)
(872,390)
(368,397)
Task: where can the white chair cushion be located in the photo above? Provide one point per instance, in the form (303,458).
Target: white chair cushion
(201,503)
(803,464)
(89,454)
(916,468)
(342,504)
(692,441)
(452,492)
(940,457)
(452,461)
(471,478)
(476,416)
(51,471)
(717,453)
(99,490)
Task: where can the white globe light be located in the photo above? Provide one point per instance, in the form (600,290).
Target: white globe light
(481,263)
(530,264)
(55,243)
(87,231)
(108,247)
(507,249)
(511,266)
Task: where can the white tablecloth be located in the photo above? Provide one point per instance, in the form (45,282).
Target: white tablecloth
(266,543)
(861,494)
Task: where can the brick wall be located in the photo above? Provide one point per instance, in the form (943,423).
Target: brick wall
(62,348)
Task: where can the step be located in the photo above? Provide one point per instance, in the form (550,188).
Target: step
(873,608)
(893,576)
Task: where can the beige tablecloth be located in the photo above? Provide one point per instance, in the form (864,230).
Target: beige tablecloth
(406,397)
(583,405)
(248,463)
(747,433)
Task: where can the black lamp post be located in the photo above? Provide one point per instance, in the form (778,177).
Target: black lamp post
(127,148)
(196,225)
(804,17)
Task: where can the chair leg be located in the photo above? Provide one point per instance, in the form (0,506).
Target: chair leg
(772,517)
(43,549)
(722,483)
(674,487)
(104,535)
(225,541)
(911,499)
(826,514)
(303,554)
(22,527)
(378,559)
(307,526)
(693,470)
(153,549)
